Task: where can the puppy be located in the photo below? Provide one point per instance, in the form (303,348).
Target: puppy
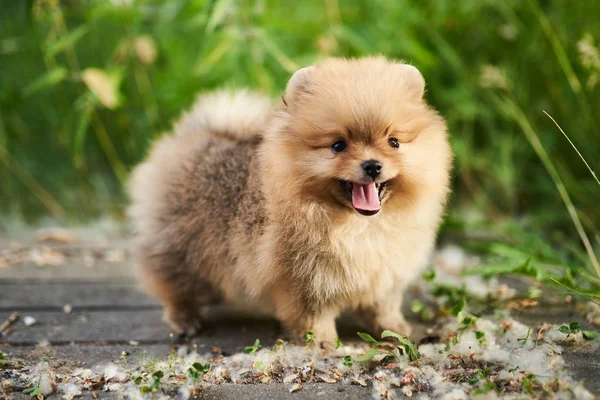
(329,201)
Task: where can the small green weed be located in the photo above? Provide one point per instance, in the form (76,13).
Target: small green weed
(309,337)
(484,389)
(590,335)
(406,347)
(479,376)
(572,329)
(252,349)
(348,361)
(198,370)
(34,391)
(526,338)
(6,363)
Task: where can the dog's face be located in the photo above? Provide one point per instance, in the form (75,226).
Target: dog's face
(357,133)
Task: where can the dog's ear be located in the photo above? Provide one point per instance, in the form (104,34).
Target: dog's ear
(298,83)
(413,79)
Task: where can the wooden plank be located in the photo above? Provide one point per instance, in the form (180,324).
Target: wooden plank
(71,271)
(551,313)
(92,326)
(83,260)
(224,328)
(69,357)
(46,296)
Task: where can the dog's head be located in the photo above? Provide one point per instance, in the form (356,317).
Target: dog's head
(356,133)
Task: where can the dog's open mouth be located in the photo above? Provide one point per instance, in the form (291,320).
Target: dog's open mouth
(365,197)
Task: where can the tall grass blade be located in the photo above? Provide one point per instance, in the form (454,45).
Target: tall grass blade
(512,107)
(575,148)
(44,197)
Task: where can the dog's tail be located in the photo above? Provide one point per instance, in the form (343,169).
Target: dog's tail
(239,114)
(222,115)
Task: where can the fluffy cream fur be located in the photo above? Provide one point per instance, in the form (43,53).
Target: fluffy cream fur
(245,201)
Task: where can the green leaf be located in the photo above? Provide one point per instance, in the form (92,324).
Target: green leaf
(206,368)
(277,53)
(158,374)
(416,306)
(138,380)
(347,361)
(526,338)
(67,41)
(485,388)
(197,366)
(459,307)
(29,390)
(574,327)
(467,321)
(524,268)
(370,354)
(368,338)
(564,329)
(429,275)
(480,336)
(193,373)
(338,343)
(590,335)
(49,79)
(201,368)
(309,337)
(221,10)
(411,349)
(208,60)
(353,39)
(80,133)
(253,348)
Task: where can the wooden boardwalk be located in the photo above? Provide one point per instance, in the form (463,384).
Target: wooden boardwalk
(87,310)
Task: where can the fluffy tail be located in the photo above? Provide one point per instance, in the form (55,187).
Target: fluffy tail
(239,114)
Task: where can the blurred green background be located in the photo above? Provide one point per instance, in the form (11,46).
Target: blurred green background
(86,85)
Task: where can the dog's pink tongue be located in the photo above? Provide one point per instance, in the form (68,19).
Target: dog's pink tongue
(365,197)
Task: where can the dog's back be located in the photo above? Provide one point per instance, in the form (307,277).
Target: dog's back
(185,196)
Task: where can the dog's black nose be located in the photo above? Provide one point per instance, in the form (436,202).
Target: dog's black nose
(372,168)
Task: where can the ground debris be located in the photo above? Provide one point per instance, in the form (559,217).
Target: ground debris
(494,355)
(56,235)
(295,388)
(5,326)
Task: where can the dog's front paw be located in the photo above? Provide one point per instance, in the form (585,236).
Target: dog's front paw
(183,324)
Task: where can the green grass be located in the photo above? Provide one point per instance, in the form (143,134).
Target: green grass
(86,86)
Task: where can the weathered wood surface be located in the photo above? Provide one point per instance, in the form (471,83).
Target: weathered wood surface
(53,296)
(108,311)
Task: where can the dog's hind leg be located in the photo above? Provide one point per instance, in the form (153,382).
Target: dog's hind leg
(181,294)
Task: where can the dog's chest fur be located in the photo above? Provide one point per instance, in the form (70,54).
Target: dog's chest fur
(365,259)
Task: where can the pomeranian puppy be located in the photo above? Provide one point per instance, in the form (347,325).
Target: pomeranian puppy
(329,201)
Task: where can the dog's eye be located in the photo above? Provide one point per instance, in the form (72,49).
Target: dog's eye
(394,142)
(339,146)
